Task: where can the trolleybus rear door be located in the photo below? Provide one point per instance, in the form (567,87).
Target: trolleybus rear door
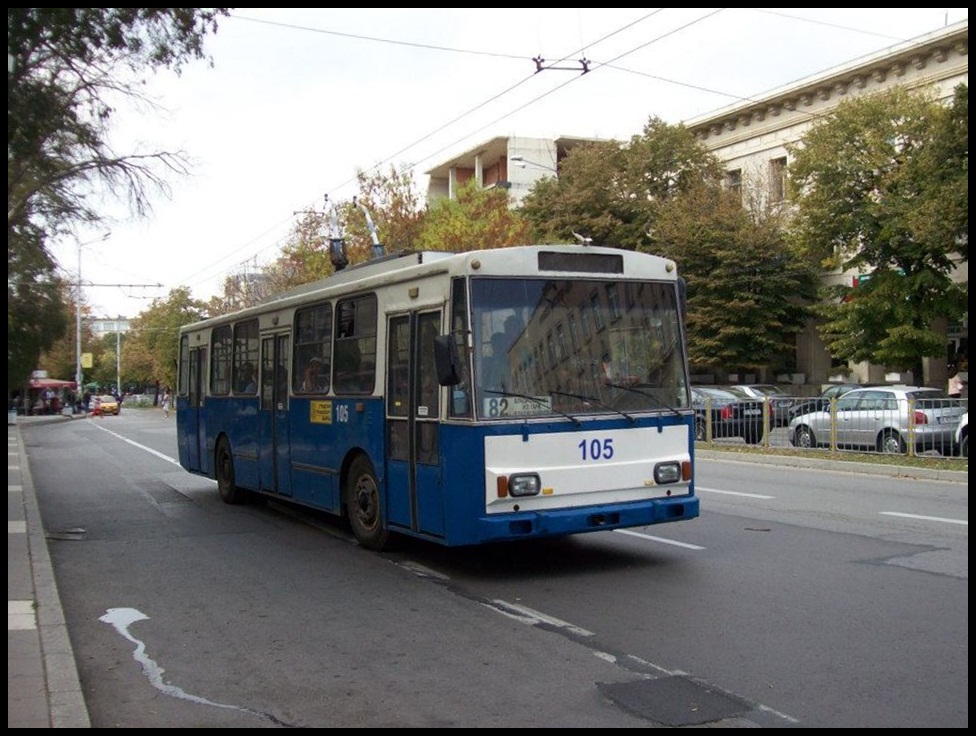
(415,495)
(193,432)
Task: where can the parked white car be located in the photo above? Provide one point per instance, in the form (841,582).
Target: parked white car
(885,419)
(962,435)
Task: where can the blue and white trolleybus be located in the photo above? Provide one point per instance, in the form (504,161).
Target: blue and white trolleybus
(486,396)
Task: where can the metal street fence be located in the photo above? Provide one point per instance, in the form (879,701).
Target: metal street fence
(886,420)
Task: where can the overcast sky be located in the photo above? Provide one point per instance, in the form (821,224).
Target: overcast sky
(299,99)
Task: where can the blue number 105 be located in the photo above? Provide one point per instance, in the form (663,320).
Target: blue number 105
(596,449)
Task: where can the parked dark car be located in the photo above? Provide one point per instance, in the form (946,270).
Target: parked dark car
(778,401)
(726,415)
(822,402)
(885,419)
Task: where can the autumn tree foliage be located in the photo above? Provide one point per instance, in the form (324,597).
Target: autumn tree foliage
(476,219)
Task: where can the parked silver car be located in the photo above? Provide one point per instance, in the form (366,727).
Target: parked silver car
(962,435)
(810,404)
(883,418)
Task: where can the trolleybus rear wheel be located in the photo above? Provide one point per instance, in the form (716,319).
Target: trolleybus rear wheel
(364,505)
(224,470)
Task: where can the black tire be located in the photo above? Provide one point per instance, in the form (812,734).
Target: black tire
(364,505)
(804,437)
(752,435)
(224,471)
(891,443)
(964,446)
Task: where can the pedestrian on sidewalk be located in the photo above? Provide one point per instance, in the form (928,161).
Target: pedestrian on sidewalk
(166,403)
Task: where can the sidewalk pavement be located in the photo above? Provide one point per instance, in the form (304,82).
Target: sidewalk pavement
(43,688)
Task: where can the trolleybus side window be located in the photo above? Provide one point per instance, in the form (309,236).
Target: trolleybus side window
(220,361)
(313,349)
(355,345)
(246,357)
(461,399)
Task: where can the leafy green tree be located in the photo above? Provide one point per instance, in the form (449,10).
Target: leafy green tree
(151,351)
(476,219)
(877,193)
(67,68)
(105,365)
(36,312)
(612,192)
(747,290)
(59,359)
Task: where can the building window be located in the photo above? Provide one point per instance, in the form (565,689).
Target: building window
(733,181)
(597,310)
(777,180)
(613,303)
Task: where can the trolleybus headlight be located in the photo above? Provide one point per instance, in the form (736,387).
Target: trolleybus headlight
(526,484)
(667,473)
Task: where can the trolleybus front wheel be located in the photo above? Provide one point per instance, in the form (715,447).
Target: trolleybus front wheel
(364,505)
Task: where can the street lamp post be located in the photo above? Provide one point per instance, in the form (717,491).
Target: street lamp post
(79,375)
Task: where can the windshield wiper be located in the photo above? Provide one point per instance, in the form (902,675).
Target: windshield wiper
(536,399)
(594,400)
(652,397)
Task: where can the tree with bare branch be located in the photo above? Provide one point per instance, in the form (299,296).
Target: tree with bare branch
(67,69)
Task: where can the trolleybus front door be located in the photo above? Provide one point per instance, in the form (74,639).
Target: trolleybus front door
(273,435)
(415,495)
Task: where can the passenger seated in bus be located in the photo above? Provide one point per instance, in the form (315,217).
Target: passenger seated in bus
(247,383)
(312,379)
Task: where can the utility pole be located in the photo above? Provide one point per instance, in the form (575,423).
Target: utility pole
(79,374)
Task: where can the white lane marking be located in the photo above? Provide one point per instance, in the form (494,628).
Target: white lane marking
(734,493)
(964,522)
(141,447)
(662,540)
(532,617)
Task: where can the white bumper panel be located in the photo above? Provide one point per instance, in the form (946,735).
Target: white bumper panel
(585,468)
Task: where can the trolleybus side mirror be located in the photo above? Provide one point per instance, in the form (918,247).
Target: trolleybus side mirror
(446,360)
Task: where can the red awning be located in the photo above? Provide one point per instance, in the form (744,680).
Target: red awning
(52,383)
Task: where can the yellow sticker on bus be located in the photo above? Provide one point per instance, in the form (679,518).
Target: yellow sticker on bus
(320,412)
